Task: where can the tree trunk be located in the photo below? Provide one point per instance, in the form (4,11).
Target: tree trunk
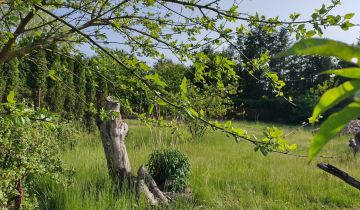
(113,133)
(38,96)
(20,196)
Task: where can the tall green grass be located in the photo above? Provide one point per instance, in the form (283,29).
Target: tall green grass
(225,174)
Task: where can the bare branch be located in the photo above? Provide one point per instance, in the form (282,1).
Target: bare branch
(340,174)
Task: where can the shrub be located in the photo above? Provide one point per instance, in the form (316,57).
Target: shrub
(67,134)
(170,169)
(28,150)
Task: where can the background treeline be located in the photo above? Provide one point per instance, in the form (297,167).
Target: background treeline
(69,83)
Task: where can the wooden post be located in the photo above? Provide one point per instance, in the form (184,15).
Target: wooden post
(113,133)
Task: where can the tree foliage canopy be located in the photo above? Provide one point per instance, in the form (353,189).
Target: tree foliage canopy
(38,39)
(147,28)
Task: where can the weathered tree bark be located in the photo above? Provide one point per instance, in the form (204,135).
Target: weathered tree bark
(141,188)
(147,185)
(113,133)
(340,174)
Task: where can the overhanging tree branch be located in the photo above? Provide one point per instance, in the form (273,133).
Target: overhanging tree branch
(158,94)
(19,30)
(340,174)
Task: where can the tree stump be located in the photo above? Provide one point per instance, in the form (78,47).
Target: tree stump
(113,133)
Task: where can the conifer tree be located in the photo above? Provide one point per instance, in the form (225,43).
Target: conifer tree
(55,95)
(90,95)
(10,72)
(69,93)
(80,87)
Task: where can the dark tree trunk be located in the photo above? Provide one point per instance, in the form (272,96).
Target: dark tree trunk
(38,96)
(20,196)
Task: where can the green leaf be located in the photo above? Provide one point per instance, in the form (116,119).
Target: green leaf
(161,102)
(183,87)
(333,125)
(346,25)
(189,113)
(52,74)
(323,9)
(292,147)
(333,96)
(349,16)
(11,97)
(228,124)
(324,47)
(193,112)
(151,108)
(144,67)
(202,113)
(199,70)
(310,34)
(156,79)
(352,73)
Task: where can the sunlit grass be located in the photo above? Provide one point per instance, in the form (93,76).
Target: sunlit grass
(225,174)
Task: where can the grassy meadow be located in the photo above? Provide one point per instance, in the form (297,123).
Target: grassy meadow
(225,174)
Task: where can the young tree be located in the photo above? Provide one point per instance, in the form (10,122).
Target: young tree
(260,44)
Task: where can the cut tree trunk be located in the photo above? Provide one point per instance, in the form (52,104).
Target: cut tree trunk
(113,133)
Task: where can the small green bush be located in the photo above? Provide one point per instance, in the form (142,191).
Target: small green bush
(170,169)
(67,134)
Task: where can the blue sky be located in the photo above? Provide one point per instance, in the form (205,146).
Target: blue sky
(282,8)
